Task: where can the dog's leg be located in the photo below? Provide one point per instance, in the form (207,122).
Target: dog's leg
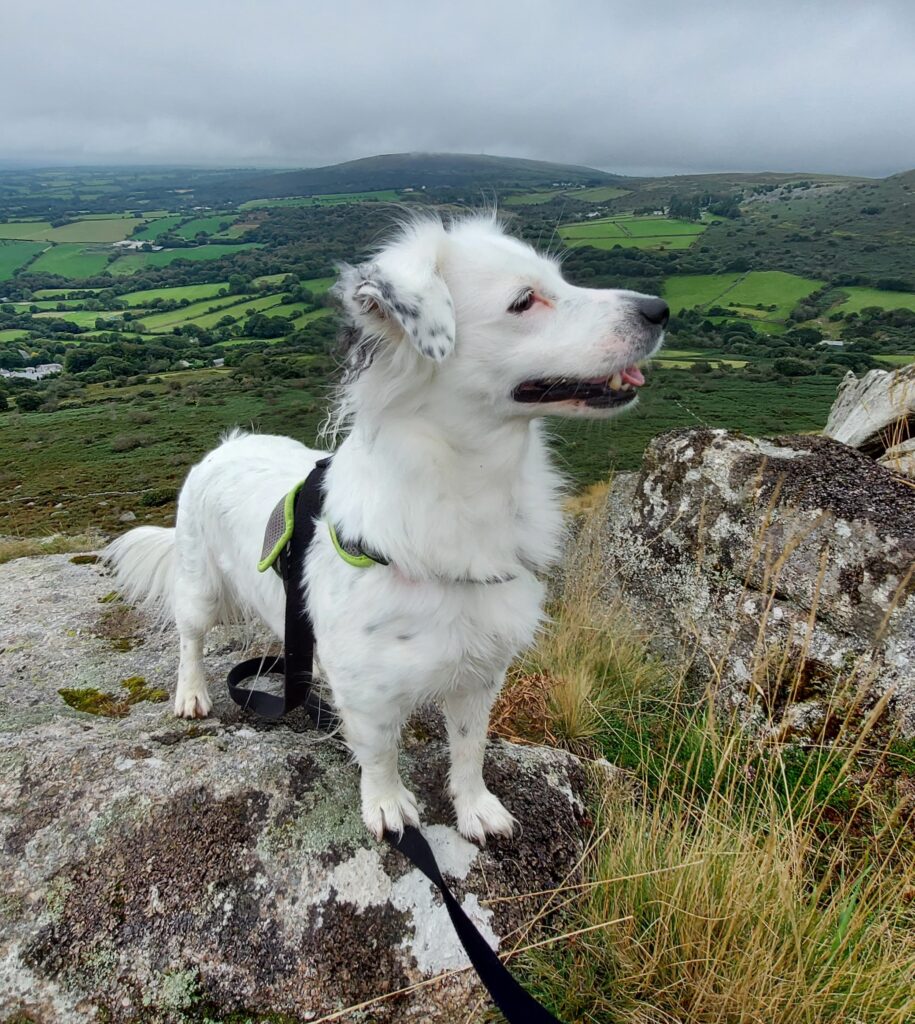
(195,613)
(387,804)
(479,812)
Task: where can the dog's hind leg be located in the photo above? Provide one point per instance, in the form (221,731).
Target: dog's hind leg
(479,812)
(387,804)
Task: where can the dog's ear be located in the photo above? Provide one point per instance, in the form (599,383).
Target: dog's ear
(409,302)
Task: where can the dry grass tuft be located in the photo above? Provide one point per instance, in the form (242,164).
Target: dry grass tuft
(754,881)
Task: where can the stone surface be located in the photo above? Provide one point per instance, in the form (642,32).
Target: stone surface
(748,554)
(899,459)
(156,870)
(872,412)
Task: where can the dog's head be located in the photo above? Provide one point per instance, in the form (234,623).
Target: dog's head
(466,312)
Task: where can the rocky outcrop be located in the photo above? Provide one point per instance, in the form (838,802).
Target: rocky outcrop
(874,412)
(156,870)
(781,567)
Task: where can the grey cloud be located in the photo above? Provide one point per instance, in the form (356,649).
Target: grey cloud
(631,87)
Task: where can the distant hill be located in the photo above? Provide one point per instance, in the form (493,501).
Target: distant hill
(414,170)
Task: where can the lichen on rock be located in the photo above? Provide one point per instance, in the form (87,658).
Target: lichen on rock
(740,554)
(166,872)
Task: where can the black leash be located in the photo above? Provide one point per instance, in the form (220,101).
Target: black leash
(517,1006)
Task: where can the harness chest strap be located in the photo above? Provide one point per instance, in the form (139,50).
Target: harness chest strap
(278,534)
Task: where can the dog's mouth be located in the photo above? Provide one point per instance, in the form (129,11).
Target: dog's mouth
(597,392)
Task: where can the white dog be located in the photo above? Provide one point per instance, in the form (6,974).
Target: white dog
(459,339)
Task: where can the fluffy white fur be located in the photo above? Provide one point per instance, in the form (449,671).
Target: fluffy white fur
(441,470)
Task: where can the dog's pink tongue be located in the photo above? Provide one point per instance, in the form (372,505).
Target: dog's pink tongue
(633,375)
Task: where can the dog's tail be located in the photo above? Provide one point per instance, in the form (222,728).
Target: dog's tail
(143,561)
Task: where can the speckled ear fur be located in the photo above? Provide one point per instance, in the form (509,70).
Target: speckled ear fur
(414,303)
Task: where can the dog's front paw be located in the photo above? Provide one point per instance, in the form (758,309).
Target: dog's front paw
(389,811)
(481,816)
(192,704)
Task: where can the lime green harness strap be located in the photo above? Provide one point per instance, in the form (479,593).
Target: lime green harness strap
(357,561)
(279,532)
(279,529)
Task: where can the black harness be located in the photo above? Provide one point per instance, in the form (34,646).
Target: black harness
(296,668)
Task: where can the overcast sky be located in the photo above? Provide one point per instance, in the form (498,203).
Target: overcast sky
(635,87)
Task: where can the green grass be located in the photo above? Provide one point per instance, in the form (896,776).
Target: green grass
(13,334)
(209,225)
(647,227)
(594,229)
(659,242)
(71,451)
(318,285)
(896,360)
(861,298)
(726,879)
(770,287)
(32,229)
(156,228)
(691,290)
(109,230)
(330,199)
(164,322)
(191,292)
(73,261)
(132,262)
(80,317)
(600,194)
(306,318)
(58,293)
(532,198)
(742,291)
(14,254)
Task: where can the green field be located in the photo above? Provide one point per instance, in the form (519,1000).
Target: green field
(690,290)
(532,198)
(132,262)
(600,194)
(306,318)
(80,317)
(770,287)
(191,292)
(330,199)
(61,293)
(741,291)
(208,225)
(14,254)
(109,229)
(32,229)
(896,360)
(72,261)
(13,335)
(861,298)
(318,285)
(156,322)
(156,227)
(633,232)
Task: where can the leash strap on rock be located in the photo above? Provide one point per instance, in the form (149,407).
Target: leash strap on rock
(296,668)
(517,1006)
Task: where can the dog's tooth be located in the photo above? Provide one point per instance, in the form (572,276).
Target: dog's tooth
(615,382)
(626,386)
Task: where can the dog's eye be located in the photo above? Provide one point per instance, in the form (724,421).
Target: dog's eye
(524,302)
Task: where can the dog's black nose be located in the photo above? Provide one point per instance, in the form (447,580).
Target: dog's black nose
(655,311)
